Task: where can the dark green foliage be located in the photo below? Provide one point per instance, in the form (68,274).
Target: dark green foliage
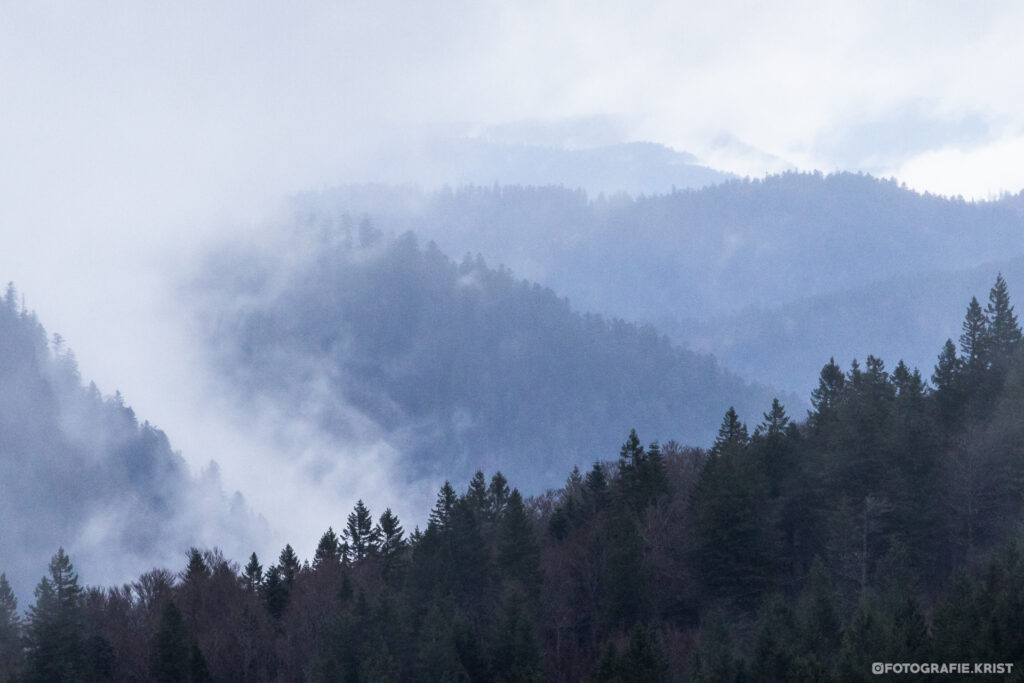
(10,628)
(878,531)
(275,592)
(1003,331)
(53,634)
(253,575)
(714,657)
(479,369)
(170,649)
(441,515)
(642,476)
(732,435)
(329,551)
(288,563)
(361,537)
(518,550)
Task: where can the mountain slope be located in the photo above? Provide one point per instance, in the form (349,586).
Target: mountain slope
(462,366)
(698,254)
(78,470)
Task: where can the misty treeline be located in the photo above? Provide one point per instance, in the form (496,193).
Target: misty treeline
(459,365)
(818,262)
(77,465)
(885,527)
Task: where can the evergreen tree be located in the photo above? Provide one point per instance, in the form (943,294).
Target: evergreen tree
(441,515)
(1003,331)
(196,571)
(517,655)
(328,550)
(53,634)
(947,369)
(476,494)
(360,535)
(10,631)
(775,656)
(518,550)
(497,495)
(776,422)
(825,398)
(288,563)
(253,574)
(974,339)
(275,592)
(392,544)
(595,490)
(169,649)
(732,435)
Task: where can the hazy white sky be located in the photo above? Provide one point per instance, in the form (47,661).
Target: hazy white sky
(131,132)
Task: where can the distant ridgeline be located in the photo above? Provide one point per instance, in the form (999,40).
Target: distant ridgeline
(885,528)
(761,273)
(459,365)
(78,470)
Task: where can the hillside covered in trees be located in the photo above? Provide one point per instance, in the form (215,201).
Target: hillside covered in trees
(726,268)
(80,469)
(884,528)
(459,366)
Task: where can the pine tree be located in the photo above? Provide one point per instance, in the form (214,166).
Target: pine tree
(947,369)
(169,649)
(974,338)
(392,543)
(497,495)
(441,515)
(518,549)
(595,490)
(732,435)
(1003,331)
(360,534)
(328,551)
(275,592)
(288,563)
(10,631)
(53,634)
(776,422)
(253,574)
(476,494)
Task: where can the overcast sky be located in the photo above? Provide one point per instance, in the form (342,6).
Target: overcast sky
(131,132)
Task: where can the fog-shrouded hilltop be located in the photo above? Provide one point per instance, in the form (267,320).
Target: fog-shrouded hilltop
(461,366)
(80,471)
(634,167)
(700,264)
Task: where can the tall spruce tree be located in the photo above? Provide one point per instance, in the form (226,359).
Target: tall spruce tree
(1003,331)
(252,576)
(732,435)
(328,551)
(360,535)
(54,631)
(10,631)
(288,563)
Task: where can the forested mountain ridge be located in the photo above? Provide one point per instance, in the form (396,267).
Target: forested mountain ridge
(885,528)
(461,366)
(79,470)
(905,315)
(704,253)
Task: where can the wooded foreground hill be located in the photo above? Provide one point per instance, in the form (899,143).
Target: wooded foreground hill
(885,528)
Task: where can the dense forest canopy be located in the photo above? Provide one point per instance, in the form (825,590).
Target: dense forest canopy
(884,527)
(724,268)
(462,366)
